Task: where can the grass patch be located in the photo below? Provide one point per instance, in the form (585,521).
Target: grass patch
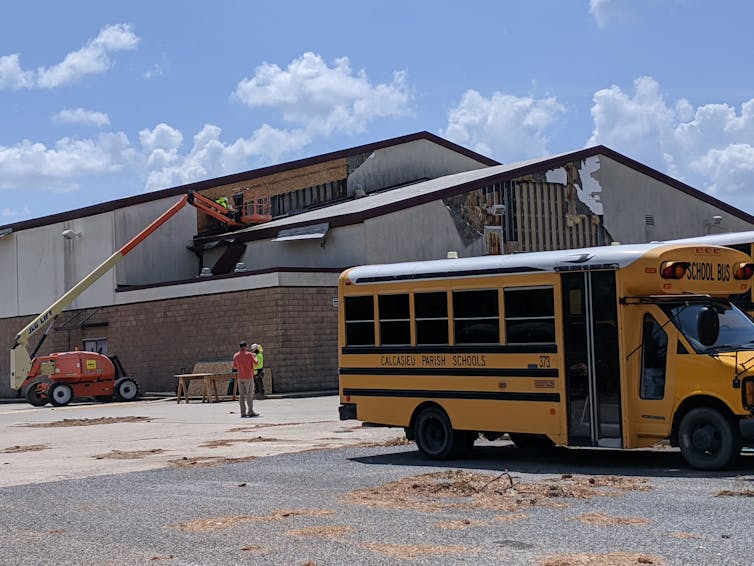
(458,489)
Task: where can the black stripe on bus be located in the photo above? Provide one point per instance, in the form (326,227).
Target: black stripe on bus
(431,394)
(445,274)
(462,349)
(470,372)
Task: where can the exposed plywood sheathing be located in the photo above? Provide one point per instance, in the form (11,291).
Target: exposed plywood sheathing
(279,183)
(547,218)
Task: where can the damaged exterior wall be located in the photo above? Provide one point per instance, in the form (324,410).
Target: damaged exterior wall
(553,210)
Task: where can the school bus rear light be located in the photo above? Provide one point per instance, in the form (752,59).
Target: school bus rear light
(743,271)
(674,269)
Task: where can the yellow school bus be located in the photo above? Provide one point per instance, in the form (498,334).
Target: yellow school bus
(615,346)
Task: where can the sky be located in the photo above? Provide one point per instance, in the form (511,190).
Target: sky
(104,100)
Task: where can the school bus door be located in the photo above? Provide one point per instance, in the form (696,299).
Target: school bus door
(592,362)
(654,349)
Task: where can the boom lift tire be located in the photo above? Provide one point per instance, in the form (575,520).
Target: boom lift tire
(707,439)
(436,438)
(126,389)
(32,393)
(60,394)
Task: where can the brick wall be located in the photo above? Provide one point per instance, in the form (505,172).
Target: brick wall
(296,325)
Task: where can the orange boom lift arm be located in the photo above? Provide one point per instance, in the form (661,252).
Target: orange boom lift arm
(20,358)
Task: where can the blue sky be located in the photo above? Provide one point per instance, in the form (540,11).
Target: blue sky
(101,100)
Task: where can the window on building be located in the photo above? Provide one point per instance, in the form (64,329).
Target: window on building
(359,313)
(476,318)
(98,345)
(529,315)
(431,314)
(395,319)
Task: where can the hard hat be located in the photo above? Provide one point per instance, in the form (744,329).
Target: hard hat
(254,346)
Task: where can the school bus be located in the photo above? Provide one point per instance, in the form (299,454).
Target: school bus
(614,346)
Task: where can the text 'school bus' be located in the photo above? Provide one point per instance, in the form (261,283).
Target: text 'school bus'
(742,241)
(616,346)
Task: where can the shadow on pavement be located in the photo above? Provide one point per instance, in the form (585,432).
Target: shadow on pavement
(566,461)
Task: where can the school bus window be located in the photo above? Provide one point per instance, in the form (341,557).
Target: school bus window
(395,319)
(529,315)
(359,314)
(653,359)
(431,318)
(476,318)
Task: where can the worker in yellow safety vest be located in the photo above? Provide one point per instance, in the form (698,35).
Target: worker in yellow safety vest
(258,370)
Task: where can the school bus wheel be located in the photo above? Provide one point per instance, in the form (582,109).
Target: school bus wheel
(435,436)
(707,439)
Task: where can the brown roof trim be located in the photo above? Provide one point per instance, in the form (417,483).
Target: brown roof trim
(241,177)
(531,167)
(126,288)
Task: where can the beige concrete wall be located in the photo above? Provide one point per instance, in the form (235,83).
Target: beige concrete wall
(8,276)
(163,256)
(419,233)
(628,196)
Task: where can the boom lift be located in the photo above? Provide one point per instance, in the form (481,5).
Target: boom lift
(60,377)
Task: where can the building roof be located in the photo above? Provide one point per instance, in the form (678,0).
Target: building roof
(377,204)
(243,177)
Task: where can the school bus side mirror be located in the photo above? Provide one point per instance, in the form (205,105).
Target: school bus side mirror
(708,326)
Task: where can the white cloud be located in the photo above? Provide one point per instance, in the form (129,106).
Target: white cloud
(93,58)
(606,12)
(504,126)
(211,157)
(63,166)
(12,76)
(90,59)
(161,136)
(13,213)
(710,147)
(82,116)
(321,99)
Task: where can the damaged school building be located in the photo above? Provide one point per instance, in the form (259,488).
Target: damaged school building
(197,286)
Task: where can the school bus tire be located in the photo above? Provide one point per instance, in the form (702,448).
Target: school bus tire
(435,437)
(707,439)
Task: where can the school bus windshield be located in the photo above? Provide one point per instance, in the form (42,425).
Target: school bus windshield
(736,329)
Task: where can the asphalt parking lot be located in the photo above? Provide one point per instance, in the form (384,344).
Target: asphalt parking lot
(299,487)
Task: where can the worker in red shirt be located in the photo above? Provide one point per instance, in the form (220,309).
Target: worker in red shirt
(244,363)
